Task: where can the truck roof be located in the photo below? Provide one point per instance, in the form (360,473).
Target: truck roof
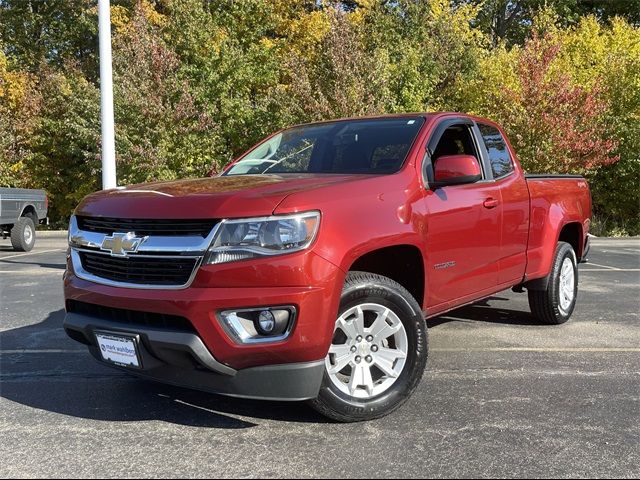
(425,115)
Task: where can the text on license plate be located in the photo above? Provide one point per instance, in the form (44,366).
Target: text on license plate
(118,349)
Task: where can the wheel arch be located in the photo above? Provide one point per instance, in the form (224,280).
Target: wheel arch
(29,210)
(403,263)
(572,234)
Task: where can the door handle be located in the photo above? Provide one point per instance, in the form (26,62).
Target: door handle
(490,203)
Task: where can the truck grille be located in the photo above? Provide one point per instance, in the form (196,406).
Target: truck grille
(141,270)
(166,228)
(130,317)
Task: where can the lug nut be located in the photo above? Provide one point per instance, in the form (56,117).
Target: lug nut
(374,348)
(358,359)
(369,359)
(359,338)
(353,349)
(370,338)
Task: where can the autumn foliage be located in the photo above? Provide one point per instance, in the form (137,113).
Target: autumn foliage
(197,82)
(556,126)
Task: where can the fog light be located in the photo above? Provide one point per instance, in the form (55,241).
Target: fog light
(266,323)
(258,325)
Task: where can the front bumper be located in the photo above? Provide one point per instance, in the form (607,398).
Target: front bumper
(205,357)
(181,358)
(310,283)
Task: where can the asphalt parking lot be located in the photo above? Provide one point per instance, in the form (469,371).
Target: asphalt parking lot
(502,396)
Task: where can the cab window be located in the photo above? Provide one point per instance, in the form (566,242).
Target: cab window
(456,140)
(499,156)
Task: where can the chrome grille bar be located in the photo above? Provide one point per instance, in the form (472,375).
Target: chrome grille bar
(159,262)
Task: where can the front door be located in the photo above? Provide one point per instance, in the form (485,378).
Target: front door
(463,227)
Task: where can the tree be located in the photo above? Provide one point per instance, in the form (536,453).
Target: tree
(511,20)
(555,124)
(430,47)
(64,150)
(19,107)
(230,52)
(51,32)
(341,80)
(199,81)
(162,131)
(606,58)
(562,126)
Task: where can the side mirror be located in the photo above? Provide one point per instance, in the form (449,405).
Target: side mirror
(456,170)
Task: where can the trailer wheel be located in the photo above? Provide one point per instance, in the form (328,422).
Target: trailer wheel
(23,235)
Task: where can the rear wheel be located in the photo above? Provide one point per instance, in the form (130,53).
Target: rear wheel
(556,303)
(23,235)
(378,352)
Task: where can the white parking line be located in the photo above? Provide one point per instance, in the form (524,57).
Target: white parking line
(610,270)
(32,253)
(603,266)
(542,349)
(36,351)
(33,271)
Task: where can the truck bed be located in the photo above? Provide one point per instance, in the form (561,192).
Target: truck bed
(545,176)
(15,201)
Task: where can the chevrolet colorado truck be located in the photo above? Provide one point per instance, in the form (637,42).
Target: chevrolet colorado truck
(306,270)
(20,211)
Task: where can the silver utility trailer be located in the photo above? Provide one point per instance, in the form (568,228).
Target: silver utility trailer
(20,211)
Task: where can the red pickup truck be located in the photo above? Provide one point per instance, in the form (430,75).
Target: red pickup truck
(305,271)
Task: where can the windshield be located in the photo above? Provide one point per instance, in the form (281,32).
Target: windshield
(348,146)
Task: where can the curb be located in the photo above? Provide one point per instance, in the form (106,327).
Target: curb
(51,233)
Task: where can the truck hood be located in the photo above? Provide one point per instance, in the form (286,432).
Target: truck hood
(217,197)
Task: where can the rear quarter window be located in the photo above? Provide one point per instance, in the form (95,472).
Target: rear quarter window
(501,163)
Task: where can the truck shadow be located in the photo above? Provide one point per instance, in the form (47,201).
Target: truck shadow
(483,311)
(58,266)
(41,368)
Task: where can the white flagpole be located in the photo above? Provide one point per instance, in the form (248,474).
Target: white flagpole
(106,97)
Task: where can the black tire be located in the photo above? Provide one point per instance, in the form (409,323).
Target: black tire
(545,304)
(366,288)
(23,235)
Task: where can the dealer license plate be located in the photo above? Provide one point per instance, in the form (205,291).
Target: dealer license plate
(119,349)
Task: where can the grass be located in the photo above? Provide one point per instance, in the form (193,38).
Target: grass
(604,226)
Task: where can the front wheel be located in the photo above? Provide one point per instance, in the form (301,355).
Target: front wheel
(378,353)
(555,304)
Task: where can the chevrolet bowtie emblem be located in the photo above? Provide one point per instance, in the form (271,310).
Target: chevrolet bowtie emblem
(121,244)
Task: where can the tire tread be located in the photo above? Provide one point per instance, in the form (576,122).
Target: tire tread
(17,237)
(543,302)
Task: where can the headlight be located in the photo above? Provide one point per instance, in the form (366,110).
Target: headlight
(260,237)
